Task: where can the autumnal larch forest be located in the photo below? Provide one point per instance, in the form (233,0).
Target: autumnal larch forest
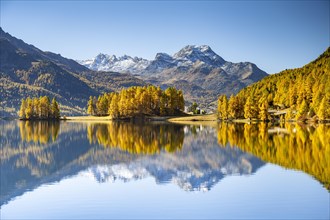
(39,109)
(293,95)
(137,101)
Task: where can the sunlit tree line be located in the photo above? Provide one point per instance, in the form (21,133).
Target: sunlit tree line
(134,101)
(41,132)
(137,139)
(292,146)
(302,93)
(39,108)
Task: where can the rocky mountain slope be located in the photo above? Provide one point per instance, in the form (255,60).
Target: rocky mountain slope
(27,71)
(197,70)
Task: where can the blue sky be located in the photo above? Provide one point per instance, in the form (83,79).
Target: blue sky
(275,35)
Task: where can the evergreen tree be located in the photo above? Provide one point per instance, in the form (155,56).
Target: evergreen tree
(292,95)
(170,94)
(317,97)
(263,111)
(235,107)
(102,105)
(44,107)
(22,110)
(232,105)
(113,108)
(91,106)
(323,112)
(248,108)
(302,111)
(29,108)
(55,110)
(162,108)
(223,109)
(36,107)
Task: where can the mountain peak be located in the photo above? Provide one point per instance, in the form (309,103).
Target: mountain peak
(202,53)
(194,49)
(101,56)
(197,47)
(163,56)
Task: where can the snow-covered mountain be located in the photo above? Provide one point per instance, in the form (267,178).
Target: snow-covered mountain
(186,57)
(198,71)
(123,64)
(190,56)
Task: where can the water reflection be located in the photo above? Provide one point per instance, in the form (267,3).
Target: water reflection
(194,163)
(294,146)
(142,138)
(39,131)
(35,153)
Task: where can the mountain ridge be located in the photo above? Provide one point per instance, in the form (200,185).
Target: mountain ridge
(192,66)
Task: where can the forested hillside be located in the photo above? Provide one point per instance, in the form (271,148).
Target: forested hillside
(28,71)
(296,94)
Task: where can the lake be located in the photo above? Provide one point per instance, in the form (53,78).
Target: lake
(71,170)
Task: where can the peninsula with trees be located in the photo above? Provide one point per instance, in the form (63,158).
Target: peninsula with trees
(137,101)
(39,109)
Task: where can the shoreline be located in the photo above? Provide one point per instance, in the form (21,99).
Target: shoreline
(179,119)
(176,119)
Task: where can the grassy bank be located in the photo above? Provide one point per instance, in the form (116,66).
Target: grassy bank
(211,117)
(207,120)
(87,118)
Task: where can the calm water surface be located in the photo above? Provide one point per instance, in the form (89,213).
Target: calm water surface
(158,170)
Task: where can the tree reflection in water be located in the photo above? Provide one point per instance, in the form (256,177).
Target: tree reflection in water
(39,131)
(137,138)
(294,146)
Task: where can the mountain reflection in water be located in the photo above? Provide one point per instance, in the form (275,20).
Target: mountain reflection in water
(193,157)
(177,154)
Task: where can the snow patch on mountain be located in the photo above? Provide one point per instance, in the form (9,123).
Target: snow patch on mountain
(186,57)
(189,58)
(124,64)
